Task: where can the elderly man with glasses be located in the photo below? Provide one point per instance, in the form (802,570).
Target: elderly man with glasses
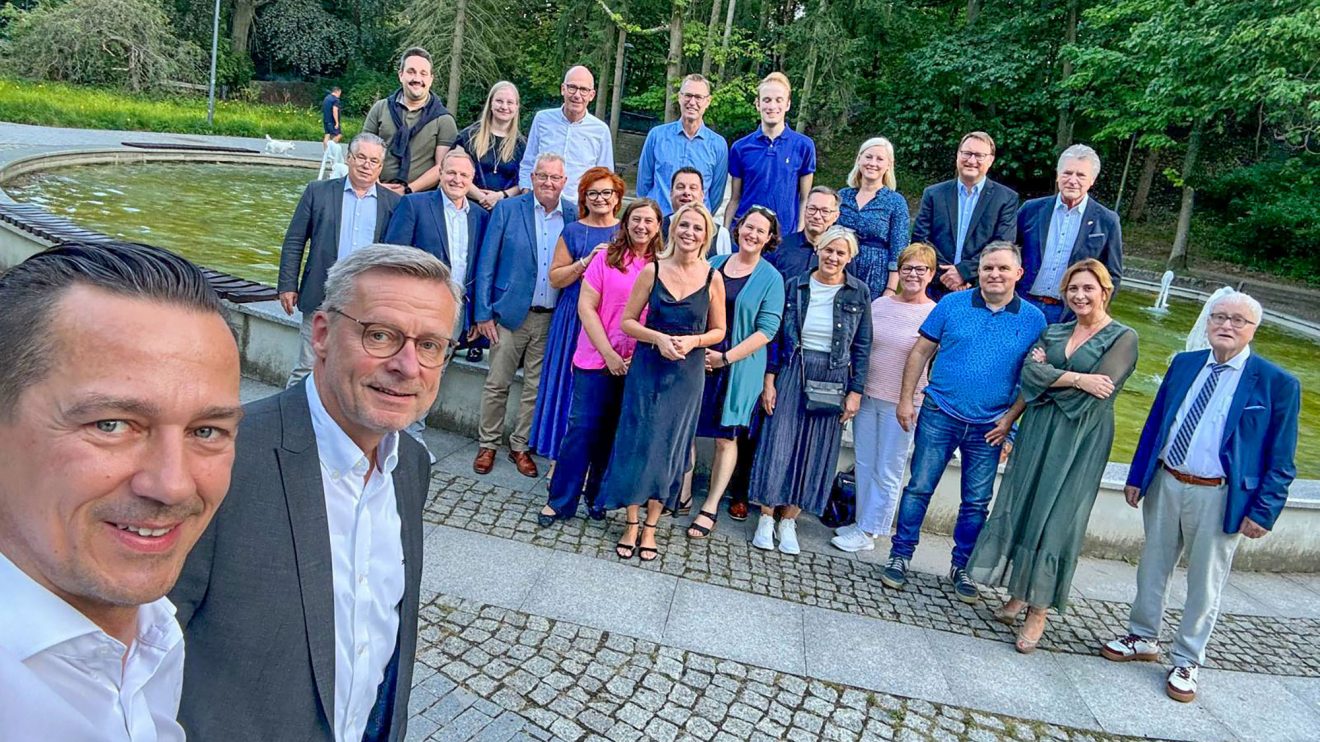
(580,139)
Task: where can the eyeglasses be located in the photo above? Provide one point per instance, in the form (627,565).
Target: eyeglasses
(693,96)
(1236,320)
(372,161)
(976,156)
(819,210)
(915,270)
(605,193)
(548,178)
(380,340)
(572,89)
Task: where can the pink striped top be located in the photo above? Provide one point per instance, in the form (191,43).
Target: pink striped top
(894,326)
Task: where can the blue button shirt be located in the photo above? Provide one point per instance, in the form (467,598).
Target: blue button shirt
(967,198)
(975,375)
(357,219)
(793,256)
(549,225)
(770,170)
(1064,225)
(669,148)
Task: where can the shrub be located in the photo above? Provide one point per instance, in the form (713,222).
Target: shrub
(1269,215)
(362,87)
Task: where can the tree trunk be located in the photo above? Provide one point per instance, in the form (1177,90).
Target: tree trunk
(1137,210)
(1178,255)
(674,62)
(603,97)
(728,31)
(456,55)
(1063,136)
(973,10)
(616,90)
(245,12)
(712,29)
(809,77)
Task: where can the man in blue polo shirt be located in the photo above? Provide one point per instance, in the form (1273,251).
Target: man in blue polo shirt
(982,335)
(774,165)
(685,144)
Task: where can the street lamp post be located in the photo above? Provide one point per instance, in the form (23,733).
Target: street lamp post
(215,42)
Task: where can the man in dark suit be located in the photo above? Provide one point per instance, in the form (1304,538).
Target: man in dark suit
(1057,231)
(963,215)
(513,304)
(336,217)
(299,603)
(1214,464)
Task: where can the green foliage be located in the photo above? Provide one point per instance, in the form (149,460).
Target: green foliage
(232,71)
(303,36)
(1269,215)
(362,87)
(730,113)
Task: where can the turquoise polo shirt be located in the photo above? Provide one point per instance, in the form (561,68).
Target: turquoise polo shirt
(975,374)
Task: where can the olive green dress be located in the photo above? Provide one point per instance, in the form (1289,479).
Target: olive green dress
(1033,536)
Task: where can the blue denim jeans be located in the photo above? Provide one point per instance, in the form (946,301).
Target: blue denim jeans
(585,449)
(938,434)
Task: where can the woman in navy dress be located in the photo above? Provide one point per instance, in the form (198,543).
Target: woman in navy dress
(684,302)
(874,211)
(600,199)
(496,146)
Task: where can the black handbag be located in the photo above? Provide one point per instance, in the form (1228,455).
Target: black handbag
(841,508)
(823,397)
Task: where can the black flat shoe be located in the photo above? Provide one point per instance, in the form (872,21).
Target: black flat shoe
(474,354)
(696,531)
(595,514)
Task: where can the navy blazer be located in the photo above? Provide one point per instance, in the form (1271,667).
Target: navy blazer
(1100,237)
(1260,436)
(506,266)
(420,221)
(994,218)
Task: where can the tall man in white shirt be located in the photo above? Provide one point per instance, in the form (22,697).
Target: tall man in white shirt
(300,602)
(118,409)
(570,131)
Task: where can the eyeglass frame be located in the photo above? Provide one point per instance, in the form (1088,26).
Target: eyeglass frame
(571,88)
(1236,321)
(605,193)
(975,156)
(447,354)
(912,268)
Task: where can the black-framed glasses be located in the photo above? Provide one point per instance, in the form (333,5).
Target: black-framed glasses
(916,270)
(572,89)
(606,193)
(380,340)
(977,156)
(548,178)
(1236,320)
(820,210)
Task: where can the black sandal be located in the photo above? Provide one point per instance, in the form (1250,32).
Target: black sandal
(684,508)
(701,530)
(632,548)
(644,550)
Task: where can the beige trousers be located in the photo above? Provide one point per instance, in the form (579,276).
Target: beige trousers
(522,347)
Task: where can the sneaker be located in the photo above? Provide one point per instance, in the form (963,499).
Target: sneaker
(765,533)
(788,537)
(845,530)
(963,587)
(1131,648)
(895,573)
(1181,685)
(853,541)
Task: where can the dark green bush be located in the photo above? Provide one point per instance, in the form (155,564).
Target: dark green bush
(362,87)
(1268,215)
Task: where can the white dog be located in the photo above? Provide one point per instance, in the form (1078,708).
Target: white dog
(278,146)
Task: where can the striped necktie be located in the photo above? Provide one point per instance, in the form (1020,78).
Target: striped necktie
(1178,451)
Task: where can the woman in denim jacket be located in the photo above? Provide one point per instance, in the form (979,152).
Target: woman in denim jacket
(825,336)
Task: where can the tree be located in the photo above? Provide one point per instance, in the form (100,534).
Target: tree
(240,26)
(674,61)
(303,36)
(466,37)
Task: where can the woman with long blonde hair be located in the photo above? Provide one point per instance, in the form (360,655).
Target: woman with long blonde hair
(496,145)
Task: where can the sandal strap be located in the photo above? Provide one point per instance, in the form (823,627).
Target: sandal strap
(713,516)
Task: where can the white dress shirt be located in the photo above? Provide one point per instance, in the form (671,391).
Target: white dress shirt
(456,229)
(548,227)
(366,554)
(63,678)
(1203,450)
(583,144)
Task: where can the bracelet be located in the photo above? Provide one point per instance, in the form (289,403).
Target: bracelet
(724,357)
(1076,378)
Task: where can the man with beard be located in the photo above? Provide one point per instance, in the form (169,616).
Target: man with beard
(418,130)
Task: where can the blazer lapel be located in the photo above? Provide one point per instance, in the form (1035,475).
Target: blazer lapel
(1083,230)
(337,204)
(982,203)
(951,208)
(300,473)
(382,214)
(437,207)
(1248,382)
(1180,390)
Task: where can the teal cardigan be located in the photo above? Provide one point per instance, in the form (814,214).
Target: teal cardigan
(759,307)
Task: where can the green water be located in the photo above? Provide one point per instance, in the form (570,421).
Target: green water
(232,218)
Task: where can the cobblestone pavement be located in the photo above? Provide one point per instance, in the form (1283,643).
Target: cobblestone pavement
(1257,644)
(491,674)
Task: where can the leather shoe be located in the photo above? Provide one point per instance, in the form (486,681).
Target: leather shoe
(738,511)
(485,461)
(523,460)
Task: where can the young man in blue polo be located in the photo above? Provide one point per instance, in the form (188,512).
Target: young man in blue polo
(978,337)
(773,166)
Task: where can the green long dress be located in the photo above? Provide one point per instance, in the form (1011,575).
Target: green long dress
(1033,536)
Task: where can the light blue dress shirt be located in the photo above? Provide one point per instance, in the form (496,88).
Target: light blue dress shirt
(357,220)
(669,148)
(548,227)
(1203,451)
(967,198)
(583,144)
(1064,223)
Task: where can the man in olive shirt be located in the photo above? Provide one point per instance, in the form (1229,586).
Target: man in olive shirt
(418,130)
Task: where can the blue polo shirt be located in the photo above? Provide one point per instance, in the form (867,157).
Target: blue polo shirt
(975,374)
(770,170)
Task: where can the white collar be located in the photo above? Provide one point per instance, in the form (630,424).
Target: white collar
(336,450)
(449,205)
(1236,362)
(558,209)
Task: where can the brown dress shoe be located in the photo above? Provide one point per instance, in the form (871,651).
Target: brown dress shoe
(738,510)
(523,460)
(485,461)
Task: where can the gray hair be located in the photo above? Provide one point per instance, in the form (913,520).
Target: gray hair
(401,260)
(697,77)
(458,152)
(549,157)
(364,138)
(825,190)
(1000,246)
(1080,152)
(1238,297)
(31,291)
(835,233)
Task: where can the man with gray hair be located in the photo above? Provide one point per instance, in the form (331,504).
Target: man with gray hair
(335,217)
(118,409)
(300,602)
(581,139)
(1213,464)
(1057,231)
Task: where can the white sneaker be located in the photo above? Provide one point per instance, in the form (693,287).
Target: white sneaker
(788,537)
(1131,648)
(1182,684)
(765,533)
(854,541)
(845,530)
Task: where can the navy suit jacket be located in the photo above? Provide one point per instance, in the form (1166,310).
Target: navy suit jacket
(420,221)
(1260,436)
(506,267)
(1100,237)
(994,218)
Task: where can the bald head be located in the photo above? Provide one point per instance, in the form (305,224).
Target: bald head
(579,89)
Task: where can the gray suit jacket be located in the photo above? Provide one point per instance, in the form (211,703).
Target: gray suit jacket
(316,220)
(256,597)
